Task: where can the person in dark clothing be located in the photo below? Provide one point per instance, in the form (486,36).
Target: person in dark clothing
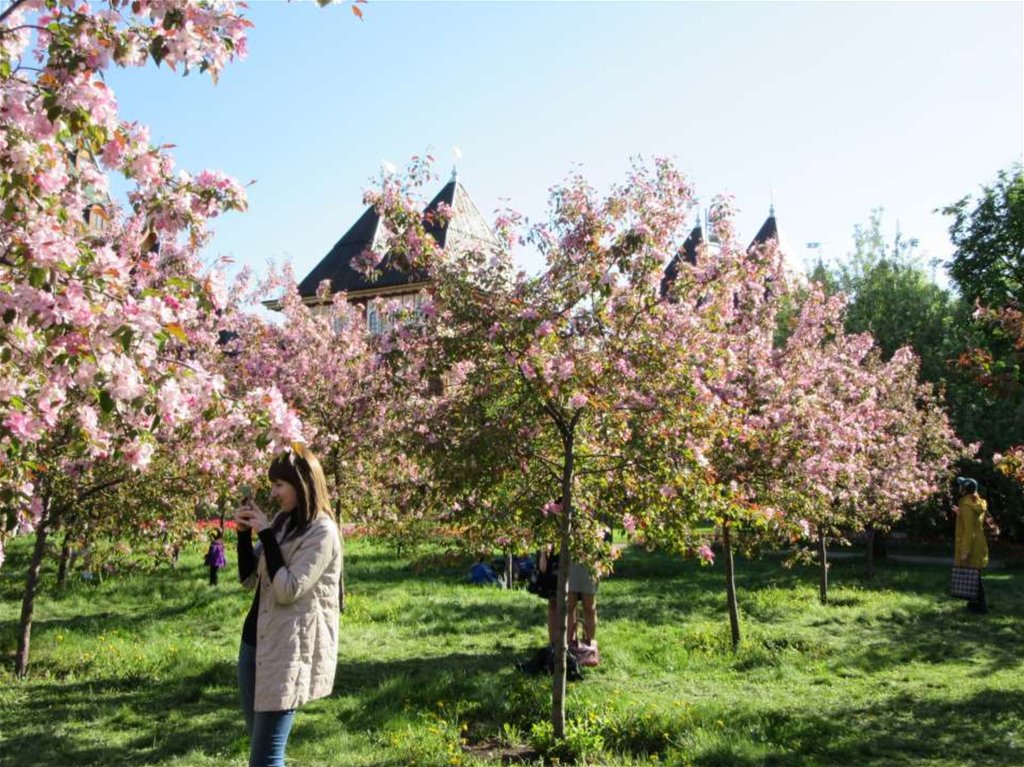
(215,558)
(482,574)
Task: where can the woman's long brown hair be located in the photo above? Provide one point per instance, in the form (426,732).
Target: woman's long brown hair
(300,468)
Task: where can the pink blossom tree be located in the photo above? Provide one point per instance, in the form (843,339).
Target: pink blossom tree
(322,358)
(870,438)
(911,452)
(108,321)
(551,405)
(744,365)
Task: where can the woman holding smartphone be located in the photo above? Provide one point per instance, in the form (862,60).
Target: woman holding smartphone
(289,647)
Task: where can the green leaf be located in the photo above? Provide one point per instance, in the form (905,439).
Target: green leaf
(125,335)
(106,402)
(173,18)
(158,49)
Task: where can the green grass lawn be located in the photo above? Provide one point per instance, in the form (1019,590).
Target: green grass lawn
(139,670)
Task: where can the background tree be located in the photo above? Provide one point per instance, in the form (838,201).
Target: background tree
(323,360)
(550,383)
(988,232)
(108,320)
(988,269)
(892,296)
(1011,463)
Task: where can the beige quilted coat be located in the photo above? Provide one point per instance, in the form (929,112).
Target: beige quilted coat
(297,627)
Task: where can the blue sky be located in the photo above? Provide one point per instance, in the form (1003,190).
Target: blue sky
(837,107)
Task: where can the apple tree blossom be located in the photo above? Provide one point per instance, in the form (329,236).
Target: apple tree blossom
(108,321)
(545,408)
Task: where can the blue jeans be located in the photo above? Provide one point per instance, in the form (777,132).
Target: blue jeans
(268,730)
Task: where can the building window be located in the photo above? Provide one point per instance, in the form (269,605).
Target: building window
(381,311)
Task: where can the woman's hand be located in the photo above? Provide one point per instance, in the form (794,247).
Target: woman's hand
(252,517)
(242,518)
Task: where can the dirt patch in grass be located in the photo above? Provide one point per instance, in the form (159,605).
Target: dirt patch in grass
(494,750)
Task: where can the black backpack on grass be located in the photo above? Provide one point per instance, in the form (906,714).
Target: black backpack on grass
(544,661)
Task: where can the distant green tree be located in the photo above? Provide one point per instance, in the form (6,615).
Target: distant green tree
(824,276)
(893,297)
(988,264)
(988,269)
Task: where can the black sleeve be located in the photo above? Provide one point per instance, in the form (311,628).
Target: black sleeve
(246,557)
(275,561)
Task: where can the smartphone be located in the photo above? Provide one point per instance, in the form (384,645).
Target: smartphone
(246,493)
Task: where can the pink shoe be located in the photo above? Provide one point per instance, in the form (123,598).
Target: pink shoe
(586,654)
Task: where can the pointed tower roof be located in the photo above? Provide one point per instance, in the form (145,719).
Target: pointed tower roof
(687,253)
(769,230)
(466,228)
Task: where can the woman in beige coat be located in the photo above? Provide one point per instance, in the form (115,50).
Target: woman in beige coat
(289,642)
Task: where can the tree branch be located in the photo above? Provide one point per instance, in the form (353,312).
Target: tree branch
(10,9)
(96,489)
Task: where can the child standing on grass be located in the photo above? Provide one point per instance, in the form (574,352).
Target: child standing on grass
(215,558)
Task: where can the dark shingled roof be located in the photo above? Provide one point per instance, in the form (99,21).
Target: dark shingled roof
(466,227)
(769,231)
(687,253)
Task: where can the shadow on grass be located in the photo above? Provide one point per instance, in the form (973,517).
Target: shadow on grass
(160,719)
(660,590)
(483,685)
(505,617)
(984,729)
(145,610)
(944,635)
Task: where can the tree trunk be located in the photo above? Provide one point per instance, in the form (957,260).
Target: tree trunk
(881,550)
(508,568)
(562,596)
(562,637)
(341,537)
(341,580)
(65,559)
(823,556)
(730,587)
(869,551)
(31,588)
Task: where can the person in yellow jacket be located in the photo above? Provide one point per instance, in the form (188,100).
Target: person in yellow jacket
(971,548)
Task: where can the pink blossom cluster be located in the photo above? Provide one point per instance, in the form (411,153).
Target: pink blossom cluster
(705,399)
(108,322)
